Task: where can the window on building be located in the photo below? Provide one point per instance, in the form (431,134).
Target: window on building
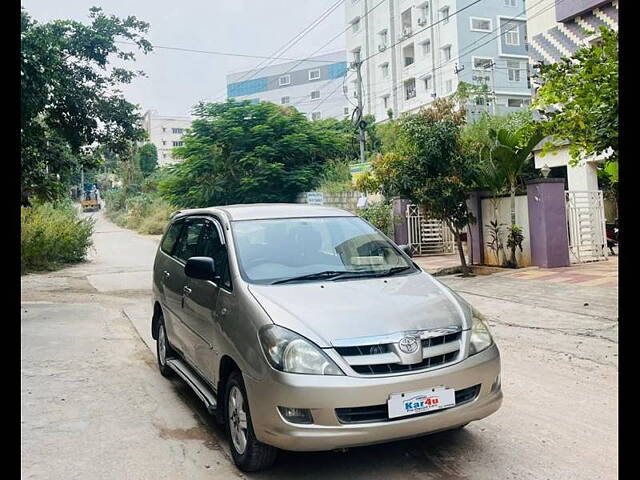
(314,74)
(177,143)
(481,67)
(410,89)
(513,70)
(516,102)
(406,22)
(428,84)
(176,130)
(510,3)
(316,115)
(482,63)
(449,86)
(355,25)
(284,80)
(426,47)
(164,129)
(346,111)
(446,52)
(383,37)
(512,35)
(164,142)
(444,15)
(385,101)
(345,89)
(384,68)
(408,53)
(315,94)
(480,24)
(423,14)
(284,100)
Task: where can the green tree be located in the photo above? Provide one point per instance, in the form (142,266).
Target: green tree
(504,159)
(429,168)
(70,96)
(238,152)
(583,90)
(148,158)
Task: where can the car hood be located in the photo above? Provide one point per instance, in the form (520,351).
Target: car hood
(328,311)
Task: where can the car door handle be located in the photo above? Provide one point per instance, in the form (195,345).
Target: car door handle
(166,274)
(223,312)
(186,290)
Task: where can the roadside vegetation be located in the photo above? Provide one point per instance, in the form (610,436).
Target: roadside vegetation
(52,235)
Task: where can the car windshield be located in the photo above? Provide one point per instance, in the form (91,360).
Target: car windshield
(280,250)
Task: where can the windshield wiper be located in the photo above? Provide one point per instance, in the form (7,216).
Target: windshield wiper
(385,273)
(312,276)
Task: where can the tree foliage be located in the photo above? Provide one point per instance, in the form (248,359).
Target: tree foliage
(428,167)
(584,91)
(238,152)
(148,158)
(70,96)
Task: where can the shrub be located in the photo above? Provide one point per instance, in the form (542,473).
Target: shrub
(52,235)
(336,177)
(145,212)
(380,216)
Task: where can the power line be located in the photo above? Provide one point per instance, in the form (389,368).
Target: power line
(228,54)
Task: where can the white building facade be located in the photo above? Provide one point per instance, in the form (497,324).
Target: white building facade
(165,132)
(417,50)
(314,86)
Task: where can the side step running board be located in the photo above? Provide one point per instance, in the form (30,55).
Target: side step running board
(203,391)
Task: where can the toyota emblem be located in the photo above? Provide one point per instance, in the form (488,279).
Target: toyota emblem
(409,344)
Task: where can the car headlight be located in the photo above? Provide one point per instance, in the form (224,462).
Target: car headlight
(480,336)
(289,352)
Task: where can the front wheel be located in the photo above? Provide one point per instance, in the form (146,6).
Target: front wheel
(248,453)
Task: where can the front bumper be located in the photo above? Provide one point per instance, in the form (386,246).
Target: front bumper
(323,394)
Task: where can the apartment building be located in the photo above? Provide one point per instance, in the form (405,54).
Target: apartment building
(555,30)
(417,50)
(313,86)
(165,132)
(558,29)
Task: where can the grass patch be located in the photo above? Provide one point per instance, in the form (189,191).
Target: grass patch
(145,213)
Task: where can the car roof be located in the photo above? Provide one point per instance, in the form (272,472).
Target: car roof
(263,211)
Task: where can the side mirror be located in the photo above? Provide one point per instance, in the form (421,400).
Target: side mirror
(202,268)
(408,249)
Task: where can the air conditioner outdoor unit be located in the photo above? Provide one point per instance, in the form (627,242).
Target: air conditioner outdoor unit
(382,47)
(422,21)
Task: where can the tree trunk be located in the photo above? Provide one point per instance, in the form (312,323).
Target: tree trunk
(463,260)
(500,246)
(513,204)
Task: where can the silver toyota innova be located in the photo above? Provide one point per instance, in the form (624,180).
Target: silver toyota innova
(304,328)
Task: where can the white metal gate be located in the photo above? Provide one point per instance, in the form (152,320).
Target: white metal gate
(426,235)
(586,224)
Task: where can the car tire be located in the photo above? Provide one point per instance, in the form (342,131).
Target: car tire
(248,453)
(163,350)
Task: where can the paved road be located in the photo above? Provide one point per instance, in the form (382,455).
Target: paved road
(94,405)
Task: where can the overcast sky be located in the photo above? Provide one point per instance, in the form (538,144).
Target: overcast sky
(178,80)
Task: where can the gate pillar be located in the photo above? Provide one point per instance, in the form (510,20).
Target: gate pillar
(548,222)
(400,224)
(476,242)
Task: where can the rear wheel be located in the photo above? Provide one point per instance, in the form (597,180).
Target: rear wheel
(248,453)
(163,350)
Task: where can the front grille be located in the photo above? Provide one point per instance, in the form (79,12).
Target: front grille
(380,413)
(381,359)
(398,367)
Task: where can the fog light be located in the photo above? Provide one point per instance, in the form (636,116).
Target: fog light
(296,415)
(496,384)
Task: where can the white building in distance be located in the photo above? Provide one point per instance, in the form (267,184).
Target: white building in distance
(414,51)
(165,132)
(314,86)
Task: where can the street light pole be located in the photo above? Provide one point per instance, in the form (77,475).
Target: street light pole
(361,123)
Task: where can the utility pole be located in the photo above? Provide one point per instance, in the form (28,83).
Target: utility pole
(493,87)
(360,121)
